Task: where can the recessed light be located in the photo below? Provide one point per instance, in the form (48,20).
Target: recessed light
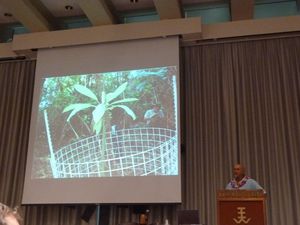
(69,7)
(7,14)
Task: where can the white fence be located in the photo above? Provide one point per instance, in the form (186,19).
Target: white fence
(128,152)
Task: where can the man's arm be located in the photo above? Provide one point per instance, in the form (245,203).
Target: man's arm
(228,186)
(256,186)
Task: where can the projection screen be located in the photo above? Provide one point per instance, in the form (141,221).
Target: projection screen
(105,124)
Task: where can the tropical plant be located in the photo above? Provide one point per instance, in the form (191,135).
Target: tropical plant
(101,108)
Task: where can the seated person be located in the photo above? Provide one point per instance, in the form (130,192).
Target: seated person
(8,216)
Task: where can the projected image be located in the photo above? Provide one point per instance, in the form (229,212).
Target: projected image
(108,124)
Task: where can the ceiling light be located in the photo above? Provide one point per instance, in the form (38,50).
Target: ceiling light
(7,14)
(69,7)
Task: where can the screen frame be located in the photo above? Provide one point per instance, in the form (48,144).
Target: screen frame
(155,189)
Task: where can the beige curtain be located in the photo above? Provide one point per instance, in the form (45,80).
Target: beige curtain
(240,103)
(16,89)
(211,140)
(16,86)
(243,105)
(268,106)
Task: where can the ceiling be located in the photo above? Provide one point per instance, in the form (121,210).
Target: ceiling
(57,8)
(43,15)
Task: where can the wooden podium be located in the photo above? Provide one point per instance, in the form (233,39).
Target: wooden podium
(241,207)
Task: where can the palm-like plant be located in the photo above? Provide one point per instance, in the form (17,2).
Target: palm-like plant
(101,108)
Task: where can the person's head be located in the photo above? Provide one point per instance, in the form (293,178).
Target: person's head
(8,216)
(156,107)
(239,171)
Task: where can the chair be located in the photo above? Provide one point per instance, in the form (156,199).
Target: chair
(188,217)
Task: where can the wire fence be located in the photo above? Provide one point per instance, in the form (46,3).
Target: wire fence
(128,152)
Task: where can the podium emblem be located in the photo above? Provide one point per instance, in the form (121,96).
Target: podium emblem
(241,207)
(241,216)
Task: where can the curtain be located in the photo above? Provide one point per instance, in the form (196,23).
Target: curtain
(16,80)
(243,105)
(211,141)
(240,102)
(16,90)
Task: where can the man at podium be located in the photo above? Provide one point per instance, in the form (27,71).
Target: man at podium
(241,181)
(244,201)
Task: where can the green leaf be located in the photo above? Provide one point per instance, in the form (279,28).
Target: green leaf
(85,91)
(99,112)
(125,100)
(127,110)
(76,108)
(77,105)
(103,97)
(116,93)
(98,126)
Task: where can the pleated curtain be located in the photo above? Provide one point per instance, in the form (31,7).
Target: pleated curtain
(240,102)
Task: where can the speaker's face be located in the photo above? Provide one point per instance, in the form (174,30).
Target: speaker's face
(238,171)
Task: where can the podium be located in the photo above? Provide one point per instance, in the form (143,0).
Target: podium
(241,207)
